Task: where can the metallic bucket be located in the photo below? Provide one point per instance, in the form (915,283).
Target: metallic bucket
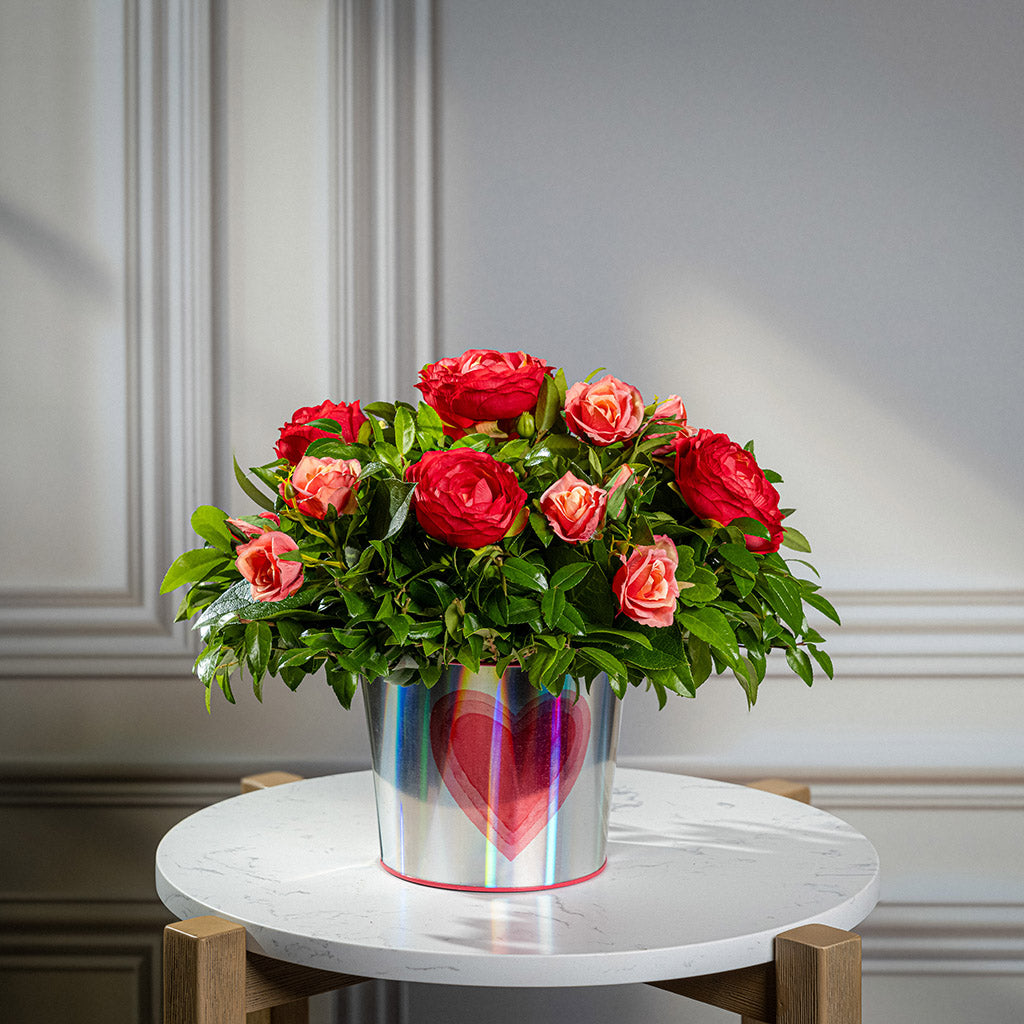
(483,782)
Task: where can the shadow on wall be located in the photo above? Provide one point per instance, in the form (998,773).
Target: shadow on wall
(58,255)
(864,475)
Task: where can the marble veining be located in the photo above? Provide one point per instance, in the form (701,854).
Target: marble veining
(701,875)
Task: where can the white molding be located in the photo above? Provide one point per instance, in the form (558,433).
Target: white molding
(944,938)
(383,190)
(960,794)
(167,344)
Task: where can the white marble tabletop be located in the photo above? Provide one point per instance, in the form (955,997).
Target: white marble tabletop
(701,875)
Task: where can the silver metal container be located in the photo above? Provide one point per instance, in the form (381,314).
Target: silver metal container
(484,782)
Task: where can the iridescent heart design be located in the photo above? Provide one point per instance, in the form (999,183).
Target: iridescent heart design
(509,773)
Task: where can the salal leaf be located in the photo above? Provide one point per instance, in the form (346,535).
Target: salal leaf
(793,538)
(800,663)
(711,626)
(193,567)
(822,605)
(251,490)
(208,522)
(524,574)
(606,662)
(405,429)
(570,575)
(822,659)
(783,594)
(236,603)
(548,405)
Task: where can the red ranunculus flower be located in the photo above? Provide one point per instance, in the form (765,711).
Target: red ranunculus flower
(465,498)
(296,436)
(270,578)
(481,386)
(720,480)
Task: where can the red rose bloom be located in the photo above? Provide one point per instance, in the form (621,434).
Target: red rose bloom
(465,498)
(480,386)
(296,436)
(720,480)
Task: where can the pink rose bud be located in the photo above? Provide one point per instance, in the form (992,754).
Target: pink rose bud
(672,409)
(318,484)
(672,412)
(623,478)
(646,586)
(605,411)
(574,509)
(254,529)
(259,561)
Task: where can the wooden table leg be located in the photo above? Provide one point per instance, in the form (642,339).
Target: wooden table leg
(818,976)
(296,1012)
(204,972)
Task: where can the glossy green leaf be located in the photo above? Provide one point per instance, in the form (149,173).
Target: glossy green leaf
(569,576)
(405,429)
(800,663)
(251,490)
(548,405)
(524,574)
(794,539)
(712,627)
(822,605)
(257,650)
(193,566)
(208,522)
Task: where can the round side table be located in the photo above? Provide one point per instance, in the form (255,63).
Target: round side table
(701,878)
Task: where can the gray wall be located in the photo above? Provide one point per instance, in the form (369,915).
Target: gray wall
(804,218)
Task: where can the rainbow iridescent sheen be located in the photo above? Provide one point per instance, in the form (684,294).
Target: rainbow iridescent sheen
(484,782)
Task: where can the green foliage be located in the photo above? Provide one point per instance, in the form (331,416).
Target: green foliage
(380,596)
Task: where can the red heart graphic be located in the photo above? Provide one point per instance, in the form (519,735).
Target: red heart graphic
(509,774)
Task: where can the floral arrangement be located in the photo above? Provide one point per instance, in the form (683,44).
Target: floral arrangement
(508,519)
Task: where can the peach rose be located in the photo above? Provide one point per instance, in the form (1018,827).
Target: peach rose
(318,484)
(259,561)
(574,508)
(605,411)
(646,586)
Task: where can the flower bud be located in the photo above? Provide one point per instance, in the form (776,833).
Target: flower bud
(526,425)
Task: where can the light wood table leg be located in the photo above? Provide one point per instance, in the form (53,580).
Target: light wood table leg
(296,1012)
(204,972)
(818,976)
(265,780)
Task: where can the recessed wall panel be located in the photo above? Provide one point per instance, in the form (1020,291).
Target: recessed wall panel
(64,328)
